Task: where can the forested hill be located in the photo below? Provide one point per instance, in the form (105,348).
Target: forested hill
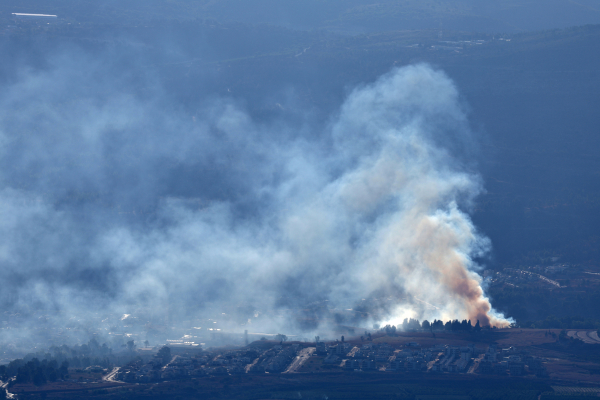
(503,16)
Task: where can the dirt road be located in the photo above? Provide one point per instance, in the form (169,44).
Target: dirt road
(301,358)
(590,337)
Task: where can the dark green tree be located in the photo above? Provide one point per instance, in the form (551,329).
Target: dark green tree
(39,378)
(164,354)
(64,369)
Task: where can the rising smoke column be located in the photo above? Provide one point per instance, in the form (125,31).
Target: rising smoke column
(400,190)
(375,210)
(374,204)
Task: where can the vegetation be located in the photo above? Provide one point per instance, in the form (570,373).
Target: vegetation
(164,354)
(34,371)
(437,325)
(55,363)
(345,15)
(344,386)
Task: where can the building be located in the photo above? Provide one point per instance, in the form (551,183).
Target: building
(516,368)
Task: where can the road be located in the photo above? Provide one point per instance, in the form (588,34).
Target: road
(300,359)
(590,337)
(110,377)
(4,386)
(475,364)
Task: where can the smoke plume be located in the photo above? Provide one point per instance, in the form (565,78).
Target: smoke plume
(115,201)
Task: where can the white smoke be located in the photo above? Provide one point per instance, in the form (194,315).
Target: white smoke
(377,211)
(377,206)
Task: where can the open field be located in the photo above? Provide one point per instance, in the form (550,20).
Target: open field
(320,386)
(568,370)
(587,336)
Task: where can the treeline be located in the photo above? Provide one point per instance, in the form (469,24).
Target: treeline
(81,356)
(55,364)
(34,371)
(436,325)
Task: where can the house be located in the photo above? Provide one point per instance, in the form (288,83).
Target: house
(516,368)
(321,348)
(369,365)
(352,364)
(396,364)
(485,367)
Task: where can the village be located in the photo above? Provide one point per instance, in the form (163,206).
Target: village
(287,358)
(542,359)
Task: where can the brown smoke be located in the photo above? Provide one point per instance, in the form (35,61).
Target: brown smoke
(425,246)
(454,274)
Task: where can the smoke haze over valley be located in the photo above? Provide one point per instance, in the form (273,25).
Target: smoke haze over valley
(121,201)
(215,167)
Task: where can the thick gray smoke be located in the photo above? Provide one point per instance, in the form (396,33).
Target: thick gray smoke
(114,202)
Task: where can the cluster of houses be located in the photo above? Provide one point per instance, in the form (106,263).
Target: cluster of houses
(155,369)
(230,362)
(367,357)
(516,277)
(510,361)
(370,356)
(439,358)
(452,358)
(201,363)
(275,359)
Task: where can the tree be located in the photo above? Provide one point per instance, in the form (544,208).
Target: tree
(164,354)
(465,326)
(426,325)
(563,335)
(63,371)
(38,377)
(52,375)
(437,325)
(477,327)
(413,324)
(281,337)
(390,330)
(131,346)
(455,325)
(405,324)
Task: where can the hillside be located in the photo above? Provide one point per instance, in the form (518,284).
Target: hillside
(341,15)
